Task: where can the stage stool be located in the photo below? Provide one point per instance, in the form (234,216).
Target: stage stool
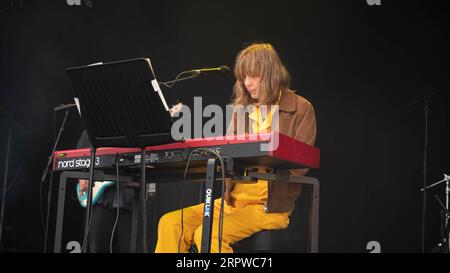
(294,239)
(265,241)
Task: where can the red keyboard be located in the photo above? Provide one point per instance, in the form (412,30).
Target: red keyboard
(249,150)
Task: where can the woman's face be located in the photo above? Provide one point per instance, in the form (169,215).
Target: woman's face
(252,86)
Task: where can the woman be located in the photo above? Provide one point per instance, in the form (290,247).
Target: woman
(261,80)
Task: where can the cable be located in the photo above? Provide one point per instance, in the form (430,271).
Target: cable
(44,175)
(88,229)
(182,197)
(85,239)
(171,84)
(118,205)
(13,180)
(42,184)
(41,208)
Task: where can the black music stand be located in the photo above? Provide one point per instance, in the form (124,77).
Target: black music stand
(121,105)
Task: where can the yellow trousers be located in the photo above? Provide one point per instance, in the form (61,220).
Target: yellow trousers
(238,223)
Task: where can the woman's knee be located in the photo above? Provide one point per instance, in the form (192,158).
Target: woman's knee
(169,219)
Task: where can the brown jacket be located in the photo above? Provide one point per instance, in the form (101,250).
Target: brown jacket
(296,119)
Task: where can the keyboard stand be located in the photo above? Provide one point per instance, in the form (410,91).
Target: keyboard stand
(281,176)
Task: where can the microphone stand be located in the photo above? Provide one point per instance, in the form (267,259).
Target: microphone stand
(445,236)
(426,101)
(5,179)
(45,173)
(5,175)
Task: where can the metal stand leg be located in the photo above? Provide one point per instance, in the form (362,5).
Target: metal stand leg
(49,204)
(447,192)
(143,200)
(134,225)
(60,212)
(208,209)
(314,219)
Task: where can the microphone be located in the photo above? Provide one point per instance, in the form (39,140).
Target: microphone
(64,107)
(223,69)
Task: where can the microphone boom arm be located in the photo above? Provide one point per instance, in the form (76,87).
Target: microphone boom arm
(170,84)
(194,74)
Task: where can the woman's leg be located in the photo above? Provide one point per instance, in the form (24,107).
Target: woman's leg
(170,229)
(240,223)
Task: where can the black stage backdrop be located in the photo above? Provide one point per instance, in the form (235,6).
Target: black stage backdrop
(360,65)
